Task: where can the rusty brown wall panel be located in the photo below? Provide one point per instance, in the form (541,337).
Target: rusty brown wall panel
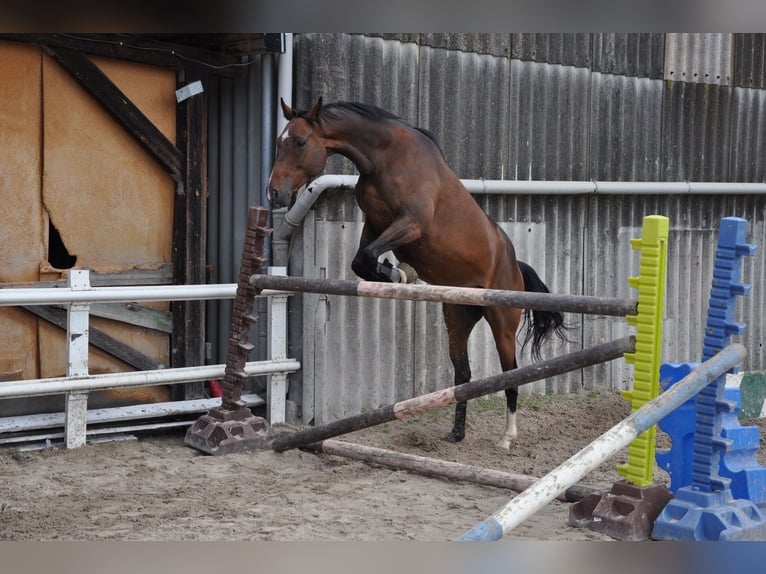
(20,199)
(20,162)
(111,202)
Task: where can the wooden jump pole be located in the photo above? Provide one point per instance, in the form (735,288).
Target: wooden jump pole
(619,436)
(461,295)
(452,395)
(442,468)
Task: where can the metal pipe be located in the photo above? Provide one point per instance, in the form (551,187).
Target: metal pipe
(63,295)
(52,386)
(619,436)
(306,199)
(308,196)
(285,79)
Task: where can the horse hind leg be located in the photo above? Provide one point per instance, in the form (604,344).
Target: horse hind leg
(504,322)
(460,321)
(511,432)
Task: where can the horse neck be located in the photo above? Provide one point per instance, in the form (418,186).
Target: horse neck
(358,140)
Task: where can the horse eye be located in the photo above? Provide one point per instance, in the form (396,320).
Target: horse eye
(300,143)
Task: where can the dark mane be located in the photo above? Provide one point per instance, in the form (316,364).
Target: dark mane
(339,110)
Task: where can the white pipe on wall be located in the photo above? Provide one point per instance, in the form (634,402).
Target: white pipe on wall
(311,193)
(285,80)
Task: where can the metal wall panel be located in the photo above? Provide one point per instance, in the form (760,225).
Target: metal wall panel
(515,119)
(750,60)
(696,121)
(362,355)
(748,126)
(495,44)
(571,49)
(633,54)
(549,121)
(625,131)
(367,353)
(353,67)
(579,245)
(236,181)
(699,58)
(464,102)
(694,223)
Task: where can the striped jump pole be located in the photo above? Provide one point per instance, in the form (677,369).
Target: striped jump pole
(621,435)
(452,395)
(459,295)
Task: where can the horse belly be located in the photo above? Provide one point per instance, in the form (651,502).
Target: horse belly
(447,263)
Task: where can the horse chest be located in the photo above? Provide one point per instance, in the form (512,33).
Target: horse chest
(380,213)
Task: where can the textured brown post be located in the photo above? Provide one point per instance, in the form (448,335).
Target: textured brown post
(232,427)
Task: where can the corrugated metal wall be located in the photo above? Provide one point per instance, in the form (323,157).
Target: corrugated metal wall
(241,118)
(542,107)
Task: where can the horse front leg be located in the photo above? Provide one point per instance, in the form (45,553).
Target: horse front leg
(371,246)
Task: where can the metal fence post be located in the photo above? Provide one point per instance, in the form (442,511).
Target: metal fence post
(276,390)
(76,409)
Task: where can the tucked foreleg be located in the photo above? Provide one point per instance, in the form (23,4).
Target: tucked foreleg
(371,246)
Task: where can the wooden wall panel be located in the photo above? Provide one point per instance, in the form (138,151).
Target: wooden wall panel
(20,200)
(110,200)
(66,160)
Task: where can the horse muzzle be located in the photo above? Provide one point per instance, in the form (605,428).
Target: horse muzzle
(280,198)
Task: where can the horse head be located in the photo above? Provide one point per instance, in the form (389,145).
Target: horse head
(301,155)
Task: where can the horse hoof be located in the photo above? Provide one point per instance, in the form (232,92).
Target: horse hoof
(504,443)
(454,437)
(407,273)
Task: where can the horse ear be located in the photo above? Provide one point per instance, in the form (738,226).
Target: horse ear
(288,112)
(314,111)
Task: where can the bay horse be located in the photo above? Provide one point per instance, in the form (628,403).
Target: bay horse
(416,207)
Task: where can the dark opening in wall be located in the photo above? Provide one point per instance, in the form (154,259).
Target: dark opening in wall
(58,256)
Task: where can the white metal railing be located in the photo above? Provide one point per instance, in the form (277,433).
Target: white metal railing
(78,296)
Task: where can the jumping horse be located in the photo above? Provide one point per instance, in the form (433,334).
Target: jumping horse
(416,207)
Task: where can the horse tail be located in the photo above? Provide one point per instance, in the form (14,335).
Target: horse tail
(541,325)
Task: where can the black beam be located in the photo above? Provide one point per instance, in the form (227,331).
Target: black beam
(98,339)
(143,50)
(189,222)
(121,108)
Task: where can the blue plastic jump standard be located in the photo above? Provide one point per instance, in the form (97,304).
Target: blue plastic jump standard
(706,509)
(698,516)
(679,426)
(739,462)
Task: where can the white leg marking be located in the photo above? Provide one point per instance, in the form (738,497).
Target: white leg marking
(510,430)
